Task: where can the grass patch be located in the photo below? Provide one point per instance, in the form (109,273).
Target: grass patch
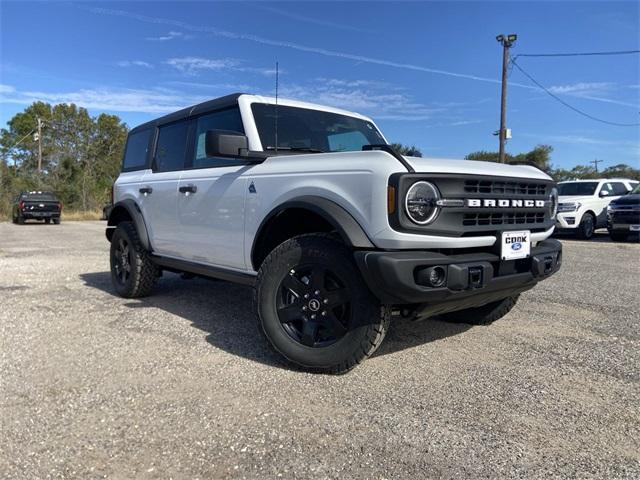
(79,215)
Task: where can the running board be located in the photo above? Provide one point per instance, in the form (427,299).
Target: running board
(179,266)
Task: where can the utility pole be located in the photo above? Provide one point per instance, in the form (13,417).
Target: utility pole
(506,41)
(595,163)
(39,145)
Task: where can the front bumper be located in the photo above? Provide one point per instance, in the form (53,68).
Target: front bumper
(31,215)
(623,221)
(568,220)
(471,279)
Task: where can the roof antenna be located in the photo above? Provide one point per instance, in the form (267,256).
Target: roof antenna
(276,119)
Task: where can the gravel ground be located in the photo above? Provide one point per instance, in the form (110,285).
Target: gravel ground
(180,385)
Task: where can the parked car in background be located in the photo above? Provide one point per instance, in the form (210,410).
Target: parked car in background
(623,217)
(583,203)
(36,206)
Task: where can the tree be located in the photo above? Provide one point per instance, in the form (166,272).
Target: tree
(81,154)
(411,151)
(539,156)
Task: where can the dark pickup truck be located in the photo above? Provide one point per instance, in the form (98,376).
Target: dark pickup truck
(36,206)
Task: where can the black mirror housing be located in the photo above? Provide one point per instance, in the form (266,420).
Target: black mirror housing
(225,143)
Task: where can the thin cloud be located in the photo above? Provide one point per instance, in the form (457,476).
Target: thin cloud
(314,21)
(169,36)
(582,88)
(133,63)
(197,65)
(155,101)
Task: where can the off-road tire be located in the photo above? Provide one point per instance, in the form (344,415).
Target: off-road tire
(483,315)
(587,227)
(143,271)
(47,221)
(20,220)
(618,236)
(368,320)
(14,219)
(56,221)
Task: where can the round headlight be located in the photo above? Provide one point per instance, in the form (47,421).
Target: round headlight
(420,203)
(553,202)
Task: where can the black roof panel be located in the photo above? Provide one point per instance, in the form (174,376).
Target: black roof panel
(209,105)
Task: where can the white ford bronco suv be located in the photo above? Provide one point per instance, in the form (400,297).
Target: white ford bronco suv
(582,204)
(335,231)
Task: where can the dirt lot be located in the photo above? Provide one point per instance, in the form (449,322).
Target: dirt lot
(180,385)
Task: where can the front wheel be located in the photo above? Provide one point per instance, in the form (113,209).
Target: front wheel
(483,315)
(587,227)
(133,272)
(56,221)
(314,307)
(618,236)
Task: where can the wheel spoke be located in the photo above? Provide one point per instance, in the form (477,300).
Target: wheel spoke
(121,244)
(334,325)
(293,284)
(309,332)
(289,313)
(337,297)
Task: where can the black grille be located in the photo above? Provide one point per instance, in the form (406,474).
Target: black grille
(516,218)
(502,187)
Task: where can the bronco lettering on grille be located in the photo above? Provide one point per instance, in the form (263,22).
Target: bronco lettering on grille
(504,203)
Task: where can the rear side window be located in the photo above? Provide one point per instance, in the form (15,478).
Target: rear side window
(171,147)
(135,154)
(223,120)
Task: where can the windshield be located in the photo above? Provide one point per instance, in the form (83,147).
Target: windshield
(577,188)
(635,190)
(312,130)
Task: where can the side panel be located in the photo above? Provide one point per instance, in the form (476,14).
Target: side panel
(211,220)
(159,209)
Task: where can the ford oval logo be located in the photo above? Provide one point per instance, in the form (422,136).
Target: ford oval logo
(516,246)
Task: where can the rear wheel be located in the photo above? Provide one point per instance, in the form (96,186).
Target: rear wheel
(587,226)
(20,220)
(483,315)
(133,272)
(47,221)
(56,221)
(314,307)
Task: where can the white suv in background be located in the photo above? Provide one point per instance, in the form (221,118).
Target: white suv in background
(583,203)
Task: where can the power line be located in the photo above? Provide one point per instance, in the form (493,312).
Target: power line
(584,114)
(578,54)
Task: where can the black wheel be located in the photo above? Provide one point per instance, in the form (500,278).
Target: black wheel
(314,307)
(47,221)
(133,273)
(618,236)
(587,227)
(20,220)
(56,221)
(14,219)
(483,315)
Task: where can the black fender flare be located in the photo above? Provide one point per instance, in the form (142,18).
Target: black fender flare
(347,227)
(133,209)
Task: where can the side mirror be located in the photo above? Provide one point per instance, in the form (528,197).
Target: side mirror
(225,143)
(604,193)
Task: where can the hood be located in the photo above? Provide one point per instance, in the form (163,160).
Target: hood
(628,200)
(472,167)
(573,198)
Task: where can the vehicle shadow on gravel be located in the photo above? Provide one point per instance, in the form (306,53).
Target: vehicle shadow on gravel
(224,311)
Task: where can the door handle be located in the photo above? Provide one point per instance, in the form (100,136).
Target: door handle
(187,189)
(146,190)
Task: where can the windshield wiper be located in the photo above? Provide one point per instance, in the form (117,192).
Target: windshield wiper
(296,149)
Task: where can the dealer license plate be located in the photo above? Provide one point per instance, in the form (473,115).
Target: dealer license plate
(634,228)
(515,245)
